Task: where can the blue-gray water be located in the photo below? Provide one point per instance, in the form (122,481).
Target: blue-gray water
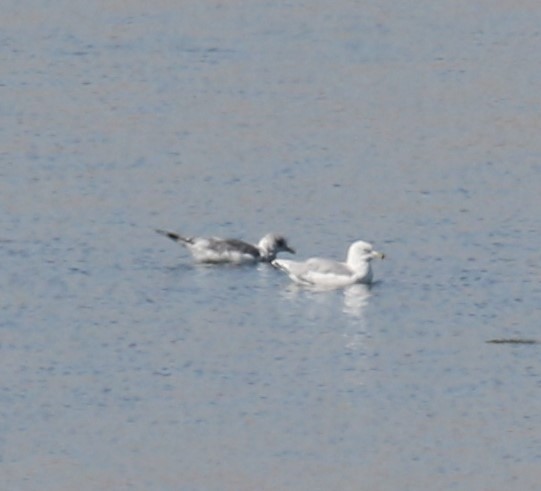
(411,124)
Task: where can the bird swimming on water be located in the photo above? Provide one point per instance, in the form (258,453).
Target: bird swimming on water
(234,251)
(321,272)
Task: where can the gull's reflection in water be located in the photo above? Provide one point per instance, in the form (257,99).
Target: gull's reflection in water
(355,302)
(355,297)
(339,315)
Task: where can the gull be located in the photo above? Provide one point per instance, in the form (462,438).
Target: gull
(321,272)
(234,251)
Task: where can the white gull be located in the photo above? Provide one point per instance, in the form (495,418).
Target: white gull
(317,271)
(218,250)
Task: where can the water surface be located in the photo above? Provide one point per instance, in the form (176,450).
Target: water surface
(411,125)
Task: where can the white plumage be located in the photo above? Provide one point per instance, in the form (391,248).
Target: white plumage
(329,273)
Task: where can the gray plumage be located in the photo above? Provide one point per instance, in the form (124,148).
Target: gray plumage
(235,251)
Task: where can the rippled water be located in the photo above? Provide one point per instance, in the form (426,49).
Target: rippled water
(409,124)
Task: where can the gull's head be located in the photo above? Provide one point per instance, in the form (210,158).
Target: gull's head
(361,251)
(272,244)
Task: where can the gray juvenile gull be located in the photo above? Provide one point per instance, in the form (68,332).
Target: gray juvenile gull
(328,273)
(218,250)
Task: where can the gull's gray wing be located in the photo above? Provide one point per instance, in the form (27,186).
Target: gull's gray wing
(326,266)
(233,245)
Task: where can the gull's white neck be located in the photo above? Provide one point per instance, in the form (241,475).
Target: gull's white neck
(361,266)
(266,249)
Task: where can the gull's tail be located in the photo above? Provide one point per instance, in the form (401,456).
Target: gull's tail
(280,264)
(176,237)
